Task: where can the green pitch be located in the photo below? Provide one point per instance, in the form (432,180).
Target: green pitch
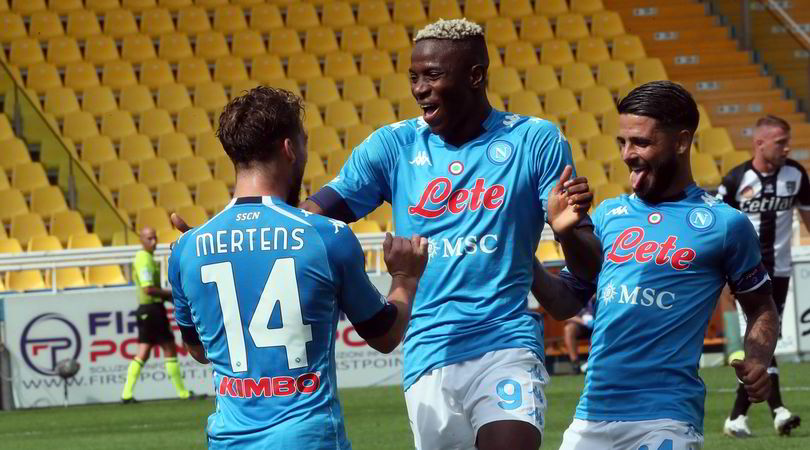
(375,419)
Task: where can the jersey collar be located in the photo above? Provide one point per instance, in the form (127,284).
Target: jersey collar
(690,190)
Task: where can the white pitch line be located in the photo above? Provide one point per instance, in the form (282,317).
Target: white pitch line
(782,388)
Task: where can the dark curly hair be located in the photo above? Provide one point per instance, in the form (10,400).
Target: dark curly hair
(252,124)
(667,102)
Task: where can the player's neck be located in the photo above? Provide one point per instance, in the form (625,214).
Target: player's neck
(471,128)
(763,166)
(260,182)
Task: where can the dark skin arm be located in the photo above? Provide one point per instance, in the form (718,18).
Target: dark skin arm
(760,341)
(554,295)
(309,205)
(197,352)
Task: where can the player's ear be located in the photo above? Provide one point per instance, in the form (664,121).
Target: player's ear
(478,76)
(288,151)
(684,141)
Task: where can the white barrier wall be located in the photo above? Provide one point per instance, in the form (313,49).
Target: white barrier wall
(97,328)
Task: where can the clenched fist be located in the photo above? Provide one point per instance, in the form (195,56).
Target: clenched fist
(754,377)
(405,257)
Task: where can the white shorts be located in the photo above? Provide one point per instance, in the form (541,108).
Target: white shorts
(661,434)
(447,406)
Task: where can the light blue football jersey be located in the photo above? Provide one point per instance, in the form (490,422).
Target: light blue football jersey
(482,207)
(663,269)
(263,283)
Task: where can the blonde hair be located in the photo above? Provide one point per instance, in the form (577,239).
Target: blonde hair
(454,29)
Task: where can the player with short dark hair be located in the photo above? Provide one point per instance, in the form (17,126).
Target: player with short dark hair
(479,183)
(668,250)
(767,189)
(258,289)
(153,323)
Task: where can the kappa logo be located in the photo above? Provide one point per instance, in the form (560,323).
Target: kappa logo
(618,211)
(421,159)
(510,120)
(709,200)
(337,224)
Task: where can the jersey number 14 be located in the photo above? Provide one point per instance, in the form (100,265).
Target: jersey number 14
(282,288)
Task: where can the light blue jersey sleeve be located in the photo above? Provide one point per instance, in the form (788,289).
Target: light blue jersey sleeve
(357,296)
(364,182)
(743,260)
(182,312)
(551,154)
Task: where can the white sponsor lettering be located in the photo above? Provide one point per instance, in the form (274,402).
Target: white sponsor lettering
(232,241)
(464,245)
(629,295)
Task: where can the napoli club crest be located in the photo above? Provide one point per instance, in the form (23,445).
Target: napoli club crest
(499,152)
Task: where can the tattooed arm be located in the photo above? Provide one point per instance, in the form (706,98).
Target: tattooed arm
(760,341)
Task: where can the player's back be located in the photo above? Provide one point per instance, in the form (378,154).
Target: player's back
(262,293)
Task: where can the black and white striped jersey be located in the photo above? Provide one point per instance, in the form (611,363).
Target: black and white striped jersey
(768,200)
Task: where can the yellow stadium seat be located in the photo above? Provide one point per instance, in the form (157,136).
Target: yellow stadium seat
(96,150)
(98,100)
(577,154)
(138,5)
(409,12)
(618,173)
(365,226)
(208,146)
(265,18)
(526,103)
(43,76)
(14,153)
(82,24)
(520,55)
(210,45)
(358,89)
(340,65)
(560,102)
(210,96)
(515,8)
(284,42)
(593,171)
(5,130)
(25,280)
(154,172)
(47,200)
(13,204)
(106,275)
(500,31)
(173,97)
(118,74)
(60,101)
(127,237)
(320,181)
(378,112)
(156,21)
(336,15)
(193,170)
(443,9)
(322,91)
(480,10)
(382,215)
(541,79)
(174,47)
(341,115)
(45,24)
(312,116)
(548,251)
(551,8)
(715,142)
(213,195)
(115,174)
(392,37)
(173,147)
(119,23)
(356,39)
(571,27)
(65,223)
(266,68)
(581,126)
(117,124)
(224,170)
(336,159)
(607,191)
(586,6)
(108,222)
(733,159)
(87,240)
(704,170)
(155,123)
(556,52)
(156,218)
(607,24)
(136,148)
(79,126)
(193,121)
(504,80)
(302,67)
(577,76)
(597,100)
(628,48)
(28,225)
(321,40)
(373,13)
(194,215)
(193,71)
(102,5)
(27,7)
(10,245)
(313,169)
(592,50)
(301,16)
(395,87)
(356,134)
(613,75)
(192,20)
(155,73)
(283,83)
(535,30)
(247,44)
(168,236)
(496,101)
(134,197)
(229,18)
(603,148)
(12,27)
(403,60)
(624,90)
(610,123)
(100,49)
(646,70)
(173,195)
(136,99)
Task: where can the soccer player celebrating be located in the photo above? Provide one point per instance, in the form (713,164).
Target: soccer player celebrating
(153,324)
(258,289)
(767,188)
(475,181)
(668,250)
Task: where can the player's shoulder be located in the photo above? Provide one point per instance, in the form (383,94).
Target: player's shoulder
(793,164)
(398,134)
(736,174)
(613,206)
(725,213)
(526,125)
